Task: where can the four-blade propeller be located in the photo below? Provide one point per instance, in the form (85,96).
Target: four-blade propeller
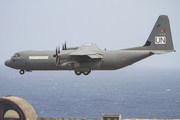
(58,59)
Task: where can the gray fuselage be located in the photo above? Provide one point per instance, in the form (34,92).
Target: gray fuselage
(44,60)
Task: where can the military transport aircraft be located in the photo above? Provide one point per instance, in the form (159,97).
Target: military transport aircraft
(90,57)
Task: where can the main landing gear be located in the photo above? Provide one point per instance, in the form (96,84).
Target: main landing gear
(84,72)
(21,72)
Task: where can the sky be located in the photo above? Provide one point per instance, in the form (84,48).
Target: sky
(112,24)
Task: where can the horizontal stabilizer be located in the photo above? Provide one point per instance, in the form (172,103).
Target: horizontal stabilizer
(161,51)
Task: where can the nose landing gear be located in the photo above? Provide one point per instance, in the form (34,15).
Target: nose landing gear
(21,72)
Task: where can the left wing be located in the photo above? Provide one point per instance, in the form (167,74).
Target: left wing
(89,49)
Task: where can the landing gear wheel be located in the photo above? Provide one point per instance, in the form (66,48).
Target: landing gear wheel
(78,73)
(86,72)
(21,72)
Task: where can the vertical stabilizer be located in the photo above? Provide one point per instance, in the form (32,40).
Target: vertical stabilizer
(160,37)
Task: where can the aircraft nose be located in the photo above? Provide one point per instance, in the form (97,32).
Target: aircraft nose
(8,62)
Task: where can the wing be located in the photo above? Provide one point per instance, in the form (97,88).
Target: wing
(87,49)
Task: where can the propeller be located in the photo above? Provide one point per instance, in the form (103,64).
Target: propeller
(56,55)
(64,46)
(58,60)
(58,50)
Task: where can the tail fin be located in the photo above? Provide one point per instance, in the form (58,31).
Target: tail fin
(160,37)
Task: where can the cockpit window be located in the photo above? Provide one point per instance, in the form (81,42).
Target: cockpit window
(16,55)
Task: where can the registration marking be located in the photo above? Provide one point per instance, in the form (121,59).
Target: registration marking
(38,57)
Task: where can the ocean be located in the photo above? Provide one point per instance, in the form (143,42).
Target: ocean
(133,92)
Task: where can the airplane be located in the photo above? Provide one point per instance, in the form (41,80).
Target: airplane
(90,57)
